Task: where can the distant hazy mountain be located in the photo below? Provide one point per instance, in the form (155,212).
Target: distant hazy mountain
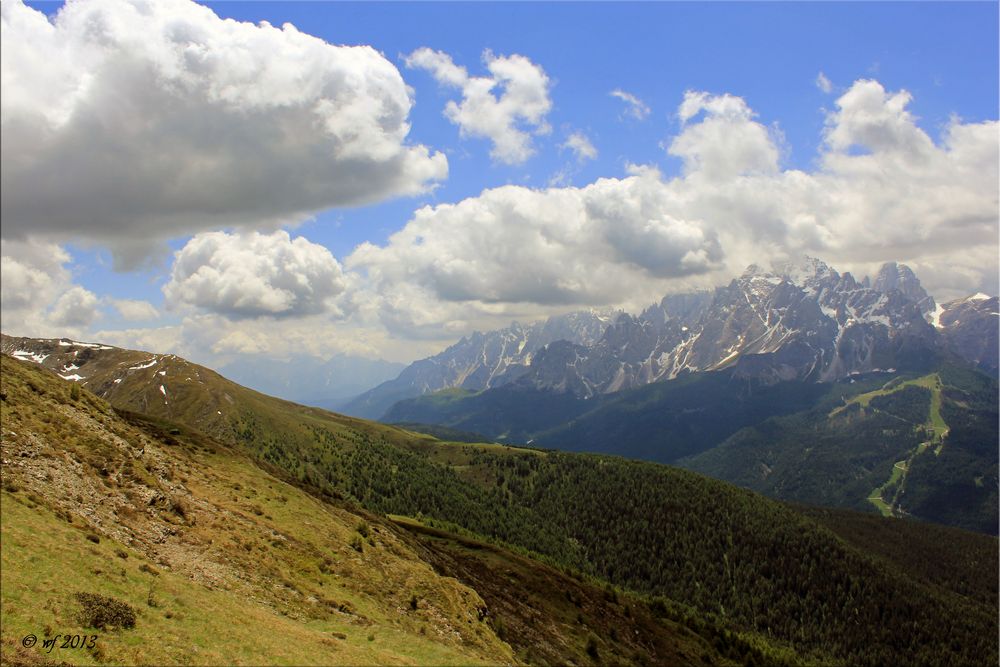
(969,327)
(312,381)
(481,361)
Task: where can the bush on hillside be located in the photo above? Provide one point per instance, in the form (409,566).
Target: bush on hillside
(100,611)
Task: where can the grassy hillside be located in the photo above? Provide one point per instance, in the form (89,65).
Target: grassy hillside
(921,446)
(223,563)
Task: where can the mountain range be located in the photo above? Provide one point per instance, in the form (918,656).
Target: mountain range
(799,320)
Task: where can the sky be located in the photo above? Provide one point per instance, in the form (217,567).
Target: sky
(230,181)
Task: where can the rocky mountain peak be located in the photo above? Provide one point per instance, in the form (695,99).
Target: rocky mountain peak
(799,319)
(805,272)
(893,276)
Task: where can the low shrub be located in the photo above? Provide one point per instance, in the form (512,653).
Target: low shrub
(100,611)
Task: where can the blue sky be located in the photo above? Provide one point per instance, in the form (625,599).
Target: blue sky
(769,55)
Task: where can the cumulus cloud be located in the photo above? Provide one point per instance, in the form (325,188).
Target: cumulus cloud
(252,275)
(126,122)
(507,118)
(727,143)
(635,107)
(37,295)
(135,310)
(823,83)
(77,307)
(515,245)
(580,144)
(883,190)
(33,274)
(869,117)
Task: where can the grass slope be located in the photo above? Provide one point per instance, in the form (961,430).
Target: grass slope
(225,563)
(200,540)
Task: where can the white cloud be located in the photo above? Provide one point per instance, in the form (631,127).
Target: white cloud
(162,340)
(253,275)
(135,310)
(214,340)
(883,191)
(77,307)
(37,296)
(33,275)
(871,118)
(636,108)
(580,144)
(823,83)
(513,246)
(128,122)
(508,119)
(727,142)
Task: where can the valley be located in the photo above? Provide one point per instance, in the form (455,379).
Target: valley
(384,511)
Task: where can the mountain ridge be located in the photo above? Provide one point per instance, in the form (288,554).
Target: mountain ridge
(796,320)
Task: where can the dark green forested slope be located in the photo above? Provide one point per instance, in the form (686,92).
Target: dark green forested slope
(659,422)
(958,560)
(921,446)
(756,563)
(508,413)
